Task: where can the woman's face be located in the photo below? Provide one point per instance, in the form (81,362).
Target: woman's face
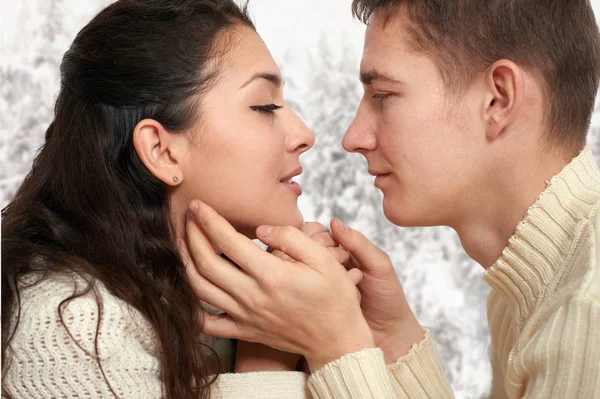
(244,151)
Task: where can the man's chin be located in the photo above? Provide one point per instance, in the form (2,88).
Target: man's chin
(404,215)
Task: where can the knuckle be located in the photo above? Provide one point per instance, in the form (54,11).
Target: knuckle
(258,304)
(384,256)
(227,245)
(271,282)
(287,234)
(310,228)
(322,238)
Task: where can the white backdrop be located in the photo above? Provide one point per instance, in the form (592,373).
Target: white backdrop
(318,46)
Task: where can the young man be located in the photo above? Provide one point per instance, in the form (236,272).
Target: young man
(474,116)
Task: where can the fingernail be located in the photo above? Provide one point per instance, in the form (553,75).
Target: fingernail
(194,207)
(264,231)
(343,227)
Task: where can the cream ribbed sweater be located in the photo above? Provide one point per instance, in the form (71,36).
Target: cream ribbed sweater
(544,316)
(543,310)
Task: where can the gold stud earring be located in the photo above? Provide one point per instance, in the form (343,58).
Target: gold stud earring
(175,179)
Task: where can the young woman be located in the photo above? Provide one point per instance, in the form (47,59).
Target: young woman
(161,102)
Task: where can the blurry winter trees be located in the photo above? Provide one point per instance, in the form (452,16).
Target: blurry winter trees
(442,284)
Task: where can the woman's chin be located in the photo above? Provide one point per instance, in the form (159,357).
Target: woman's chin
(293,218)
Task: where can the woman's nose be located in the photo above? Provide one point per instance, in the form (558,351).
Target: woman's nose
(300,139)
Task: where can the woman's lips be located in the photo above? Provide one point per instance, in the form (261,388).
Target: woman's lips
(295,187)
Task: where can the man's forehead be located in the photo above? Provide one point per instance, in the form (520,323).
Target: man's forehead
(382,52)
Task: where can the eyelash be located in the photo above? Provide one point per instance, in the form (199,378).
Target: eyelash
(266,109)
(380,96)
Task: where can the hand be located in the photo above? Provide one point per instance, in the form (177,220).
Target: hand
(318,233)
(251,356)
(306,306)
(393,324)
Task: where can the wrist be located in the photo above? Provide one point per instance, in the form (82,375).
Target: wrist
(398,342)
(350,343)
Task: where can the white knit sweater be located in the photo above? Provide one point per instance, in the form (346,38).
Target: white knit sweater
(49,359)
(544,316)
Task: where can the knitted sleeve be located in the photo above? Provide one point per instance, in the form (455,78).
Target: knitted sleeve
(418,374)
(84,356)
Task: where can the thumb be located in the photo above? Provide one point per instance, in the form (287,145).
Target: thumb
(369,256)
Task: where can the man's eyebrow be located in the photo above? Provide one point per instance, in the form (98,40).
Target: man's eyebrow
(271,77)
(367,78)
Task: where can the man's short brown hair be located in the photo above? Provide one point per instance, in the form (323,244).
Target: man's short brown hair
(557,40)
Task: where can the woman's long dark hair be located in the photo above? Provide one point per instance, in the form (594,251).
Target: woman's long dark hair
(89,206)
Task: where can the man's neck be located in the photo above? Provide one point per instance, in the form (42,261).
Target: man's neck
(487,227)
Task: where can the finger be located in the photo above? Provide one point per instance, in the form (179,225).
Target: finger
(365,252)
(222,326)
(295,244)
(201,254)
(208,292)
(281,255)
(325,239)
(225,238)
(310,228)
(355,275)
(340,254)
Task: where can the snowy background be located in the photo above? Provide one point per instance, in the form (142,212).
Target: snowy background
(318,46)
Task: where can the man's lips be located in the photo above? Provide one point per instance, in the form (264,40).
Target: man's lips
(378,173)
(379,177)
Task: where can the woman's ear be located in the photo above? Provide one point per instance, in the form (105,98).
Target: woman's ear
(505,85)
(157,148)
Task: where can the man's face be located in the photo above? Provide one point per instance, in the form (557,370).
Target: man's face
(422,143)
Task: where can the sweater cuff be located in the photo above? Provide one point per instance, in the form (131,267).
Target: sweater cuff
(419,373)
(261,385)
(358,375)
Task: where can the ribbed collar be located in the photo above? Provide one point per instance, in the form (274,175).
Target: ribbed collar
(540,249)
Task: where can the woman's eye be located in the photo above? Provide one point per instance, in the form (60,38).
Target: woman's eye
(267,109)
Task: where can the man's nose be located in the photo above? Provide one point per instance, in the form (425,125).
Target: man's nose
(360,136)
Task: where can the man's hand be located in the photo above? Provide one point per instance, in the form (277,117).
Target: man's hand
(307,306)
(392,322)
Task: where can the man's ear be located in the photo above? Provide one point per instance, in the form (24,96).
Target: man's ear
(504,81)
(157,148)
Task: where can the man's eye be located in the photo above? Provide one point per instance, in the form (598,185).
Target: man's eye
(380,96)
(267,109)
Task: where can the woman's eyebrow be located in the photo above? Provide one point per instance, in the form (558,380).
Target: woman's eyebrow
(271,77)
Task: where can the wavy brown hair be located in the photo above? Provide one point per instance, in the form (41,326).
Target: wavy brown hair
(89,207)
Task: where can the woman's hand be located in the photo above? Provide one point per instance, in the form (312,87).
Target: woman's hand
(307,306)
(318,233)
(252,356)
